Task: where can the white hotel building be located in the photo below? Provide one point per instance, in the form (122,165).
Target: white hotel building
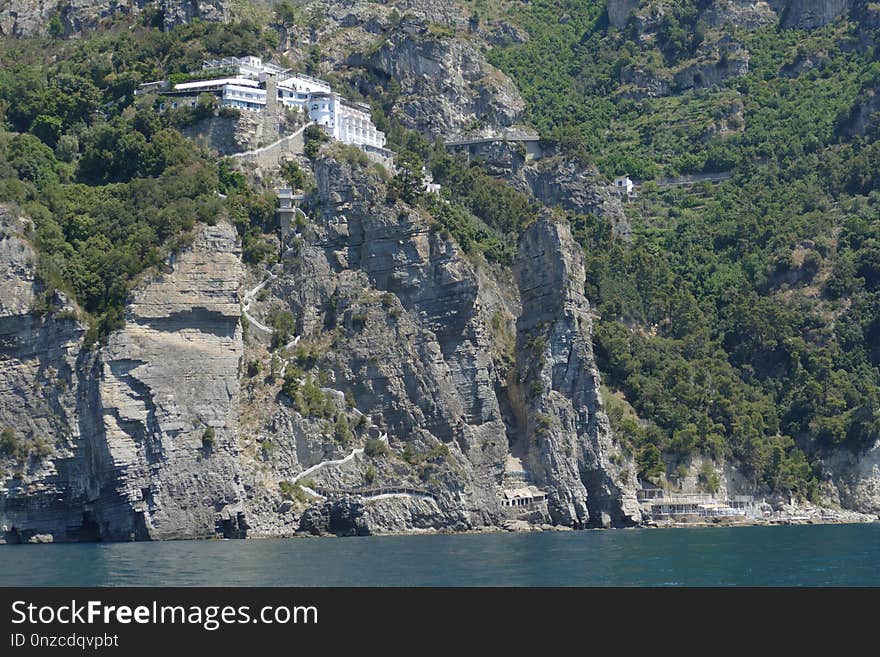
(243,83)
(344,120)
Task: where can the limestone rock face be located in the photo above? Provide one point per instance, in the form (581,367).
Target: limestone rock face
(619,11)
(749,14)
(178,12)
(567,183)
(742,13)
(810,14)
(126,423)
(364,517)
(31,17)
(396,514)
(448,89)
(856,478)
(429,50)
(424,346)
(168,377)
(724,59)
(569,442)
(22,18)
(39,359)
(412,340)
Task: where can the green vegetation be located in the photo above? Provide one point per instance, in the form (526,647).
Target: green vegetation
(293,175)
(21,449)
(741,319)
(11,445)
(283,325)
(407,182)
(254,216)
(294,491)
(349,153)
(375,448)
(208,438)
(483,214)
(206,106)
(314,136)
(342,430)
(309,400)
(570,74)
(306,356)
(709,479)
(254,367)
(110,185)
(439,452)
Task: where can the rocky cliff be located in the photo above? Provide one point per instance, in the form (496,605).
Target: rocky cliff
(125,427)
(45,488)
(810,14)
(569,446)
(854,479)
(408,318)
(421,343)
(799,14)
(35,17)
(406,399)
(167,393)
(447,89)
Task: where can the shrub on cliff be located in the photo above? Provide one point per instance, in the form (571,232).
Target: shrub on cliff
(314,136)
(21,449)
(208,438)
(10,444)
(293,174)
(283,326)
(375,448)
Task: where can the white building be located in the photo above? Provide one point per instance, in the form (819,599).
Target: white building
(243,97)
(428,183)
(624,186)
(302,83)
(344,120)
(250,66)
(242,82)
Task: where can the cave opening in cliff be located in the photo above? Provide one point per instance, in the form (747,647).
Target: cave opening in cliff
(89,530)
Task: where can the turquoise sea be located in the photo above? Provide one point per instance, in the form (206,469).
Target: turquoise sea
(822,555)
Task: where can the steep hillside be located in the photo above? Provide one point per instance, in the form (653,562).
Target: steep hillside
(177,363)
(740,321)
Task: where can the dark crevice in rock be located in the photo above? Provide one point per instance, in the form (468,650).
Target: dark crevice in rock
(204,319)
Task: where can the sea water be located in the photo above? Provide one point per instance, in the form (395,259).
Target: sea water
(820,555)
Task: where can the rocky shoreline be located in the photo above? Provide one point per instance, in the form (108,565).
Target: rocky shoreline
(521,526)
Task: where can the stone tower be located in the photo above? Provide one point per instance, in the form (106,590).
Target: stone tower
(271,95)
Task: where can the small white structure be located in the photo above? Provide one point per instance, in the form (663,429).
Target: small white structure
(524,498)
(625,186)
(430,187)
